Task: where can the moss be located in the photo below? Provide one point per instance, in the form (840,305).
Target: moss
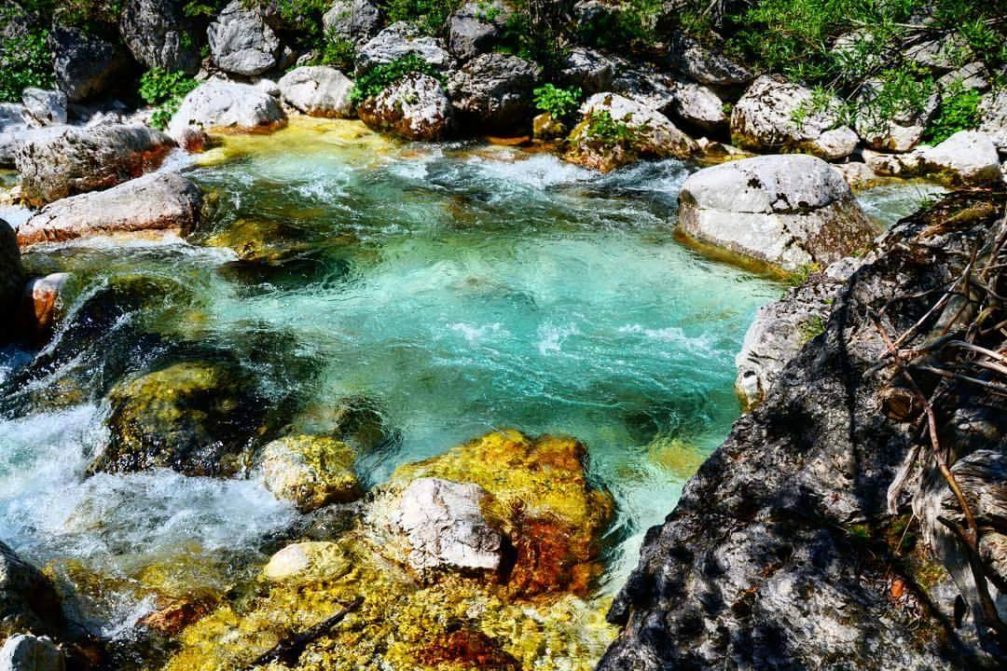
(675,456)
(310,471)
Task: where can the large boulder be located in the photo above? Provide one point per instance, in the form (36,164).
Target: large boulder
(617,130)
(788,211)
(398,41)
(698,107)
(587,69)
(993,114)
(309,471)
(61,161)
(25,652)
(45,108)
(692,59)
(157,203)
(415,108)
(353,20)
(476,27)
(220,105)
(159,35)
(85,65)
(967,158)
(775,115)
(241,42)
(195,417)
(493,92)
(14,120)
(11,279)
(318,91)
(28,601)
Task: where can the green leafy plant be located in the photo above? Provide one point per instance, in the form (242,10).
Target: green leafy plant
(25,61)
(560,103)
(633,22)
(604,129)
(427,15)
(338,52)
(380,77)
(810,328)
(165,90)
(958,110)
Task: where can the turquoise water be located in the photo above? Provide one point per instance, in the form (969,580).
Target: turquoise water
(459,290)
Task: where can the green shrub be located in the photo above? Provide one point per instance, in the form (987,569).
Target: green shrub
(166,90)
(427,15)
(338,52)
(603,129)
(631,23)
(25,61)
(382,76)
(560,103)
(958,110)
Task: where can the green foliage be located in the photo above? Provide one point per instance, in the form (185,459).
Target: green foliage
(958,110)
(803,273)
(560,103)
(377,79)
(603,129)
(811,327)
(25,61)
(536,30)
(338,52)
(166,90)
(202,8)
(630,23)
(427,15)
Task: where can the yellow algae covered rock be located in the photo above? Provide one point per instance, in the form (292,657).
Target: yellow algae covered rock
(310,471)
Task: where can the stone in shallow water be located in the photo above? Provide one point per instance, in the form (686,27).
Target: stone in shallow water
(310,471)
(29,653)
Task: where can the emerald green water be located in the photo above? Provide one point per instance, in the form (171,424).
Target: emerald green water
(459,290)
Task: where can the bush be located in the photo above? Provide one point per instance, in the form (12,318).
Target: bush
(338,52)
(25,61)
(958,110)
(382,76)
(427,15)
(607,131)
(633,22)
(558,102)
(166,90)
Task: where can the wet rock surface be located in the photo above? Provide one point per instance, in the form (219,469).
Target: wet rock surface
(28,601)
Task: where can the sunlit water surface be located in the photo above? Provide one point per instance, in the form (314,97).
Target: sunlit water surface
(462,290)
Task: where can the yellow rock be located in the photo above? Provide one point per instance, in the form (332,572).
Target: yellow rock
(310,471)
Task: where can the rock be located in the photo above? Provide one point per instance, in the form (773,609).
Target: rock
(318,91)
(13,126)
(545,127)
(85,65)
(45,108)
(774,115)
(587,69)
(356,420)
(638,132)
(241,43)
(310,471)
(11,279)
(707,67)
(942,53)
(651,89)
(415,108)
(476,27)
(41,307)
(399,40)
(161,202)
(194,417)
(788,211)
(967,158)
(159,35)
(28,600)
(439,525)
(857,175)
(884,131)
(782,328)
(25,652)
(493,92)
(993,114)
(971,77)
(353,20)
(793,546)
(218,105)
(305,560)
(698,107)
(61,161)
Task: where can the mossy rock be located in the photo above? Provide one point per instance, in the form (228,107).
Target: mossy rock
(604,156)
(310,471)
(259,241)
(195,417)
(356,420)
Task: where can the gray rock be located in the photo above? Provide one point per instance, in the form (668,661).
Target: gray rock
(11,279)
(589,70)
(494,91)
(699,107)
(45,108)
(399,40)
(84,64)
(226,105)
(353,20)
(789,211)
(13,126)
(476,27)
(649,88)
(967,158)
(25,652)
(318,91)
(241,43)
(158,203)
(692,59)
(61,161)
(414,108)
(974,76)
(883,131)
(942,53)
(775,115)
(993,113)
(159,35)
(28,600)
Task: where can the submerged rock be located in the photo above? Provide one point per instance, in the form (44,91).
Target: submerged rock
(241,42)
(158,203)
(310,471)
(28,601)
(62,161)
(195,417)
(219,105)
(25,652)
(318,91)
(788,211)
(414,108)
